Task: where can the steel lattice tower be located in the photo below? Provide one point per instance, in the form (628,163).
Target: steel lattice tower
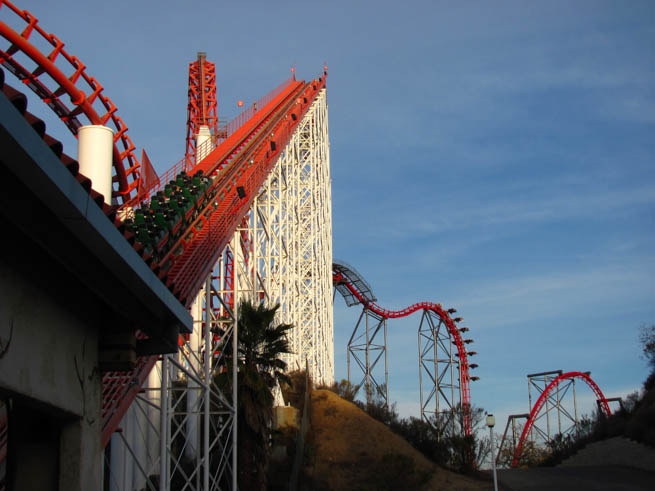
(281,253)
(256,225)
(297,200)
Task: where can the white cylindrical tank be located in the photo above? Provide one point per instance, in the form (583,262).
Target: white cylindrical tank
(203,143)
(95,145)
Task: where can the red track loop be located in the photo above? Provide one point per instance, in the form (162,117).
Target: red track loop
(337,277)
(544,396)
(75,84)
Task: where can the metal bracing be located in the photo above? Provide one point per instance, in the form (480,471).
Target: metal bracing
(517,427)
(133,456)
(291,231)
(184,412)
(439,385)
(560,413)
(552,397)
(365,349)
(280,253)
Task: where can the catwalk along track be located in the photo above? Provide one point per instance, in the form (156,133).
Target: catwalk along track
(180,224)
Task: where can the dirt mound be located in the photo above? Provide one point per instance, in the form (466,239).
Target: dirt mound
(353,451)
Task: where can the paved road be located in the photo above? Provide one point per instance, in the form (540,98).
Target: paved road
(607,478)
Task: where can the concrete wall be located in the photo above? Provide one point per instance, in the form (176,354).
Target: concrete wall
(49,346)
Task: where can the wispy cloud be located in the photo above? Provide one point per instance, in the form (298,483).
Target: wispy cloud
(413,219)
(519,299)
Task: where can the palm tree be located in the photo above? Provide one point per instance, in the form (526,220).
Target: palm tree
(260,343)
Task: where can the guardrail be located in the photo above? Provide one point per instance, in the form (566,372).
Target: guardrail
(207,147)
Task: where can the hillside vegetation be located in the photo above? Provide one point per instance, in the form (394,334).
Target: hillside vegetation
(349,450)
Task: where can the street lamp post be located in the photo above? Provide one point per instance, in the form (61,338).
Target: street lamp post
(491,421)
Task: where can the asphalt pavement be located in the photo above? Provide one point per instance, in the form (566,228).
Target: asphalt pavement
(596,478)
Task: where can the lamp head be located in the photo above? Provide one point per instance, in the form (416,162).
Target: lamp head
(491,420)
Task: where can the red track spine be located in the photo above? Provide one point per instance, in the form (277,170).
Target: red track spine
(544,397)
(452,329)
(96,107)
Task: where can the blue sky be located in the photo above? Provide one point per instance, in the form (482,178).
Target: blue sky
(496,157)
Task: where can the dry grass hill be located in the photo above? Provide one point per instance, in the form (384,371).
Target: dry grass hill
(349,450)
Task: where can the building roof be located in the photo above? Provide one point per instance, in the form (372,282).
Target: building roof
(44,195)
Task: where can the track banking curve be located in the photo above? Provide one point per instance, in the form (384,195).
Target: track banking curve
(245,157)
(236,170)
(59,73)
(602,400)
(339,278)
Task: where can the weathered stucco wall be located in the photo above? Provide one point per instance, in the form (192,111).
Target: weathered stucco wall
(49,362)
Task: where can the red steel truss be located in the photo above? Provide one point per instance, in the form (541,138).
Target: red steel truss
(602,403)
(246,152)
(245,158)
(223,133)
(119,389)
(208,234)
(201,110)
(339,278)
(67,73)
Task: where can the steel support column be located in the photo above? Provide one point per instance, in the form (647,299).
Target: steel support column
(439,384)
(365,339)
(280,254)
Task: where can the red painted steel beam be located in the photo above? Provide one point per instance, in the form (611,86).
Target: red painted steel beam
(544,397)
(249,144)
(202,105)
(245,159)
(119,389)
(126,166)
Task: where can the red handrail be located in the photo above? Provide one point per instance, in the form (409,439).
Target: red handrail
(97,107)
(225,131)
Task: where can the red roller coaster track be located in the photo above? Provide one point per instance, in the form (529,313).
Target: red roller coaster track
(544,396)
(339,278)
(248,151)
(68,74)
(245,156)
